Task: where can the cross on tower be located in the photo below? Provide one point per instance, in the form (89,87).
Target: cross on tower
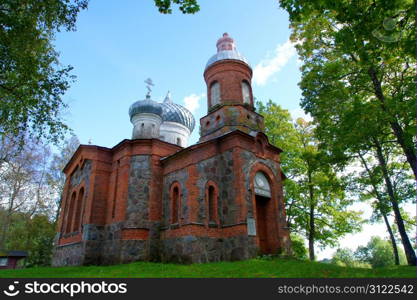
(149,83)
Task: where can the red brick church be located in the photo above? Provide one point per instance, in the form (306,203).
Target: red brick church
(153,198)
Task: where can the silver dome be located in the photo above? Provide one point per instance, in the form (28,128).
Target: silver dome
(145,106)
(226,54)
(172,112)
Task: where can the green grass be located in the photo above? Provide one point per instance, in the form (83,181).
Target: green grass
(277,267)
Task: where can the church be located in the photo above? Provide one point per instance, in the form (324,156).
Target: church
(153,198)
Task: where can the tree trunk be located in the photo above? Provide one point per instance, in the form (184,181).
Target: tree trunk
(406,145)
(392,237)
(408,248)
(383,213)
(311,233)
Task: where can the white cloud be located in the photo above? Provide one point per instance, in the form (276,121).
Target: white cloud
(269,66)
(192,102)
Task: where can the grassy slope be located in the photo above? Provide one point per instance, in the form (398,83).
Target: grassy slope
(250,268)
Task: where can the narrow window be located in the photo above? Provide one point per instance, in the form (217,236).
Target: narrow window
(246,92)
(178,141)
(3,261)
(175,204)
(77,217)
(215,93)
(70,214)
(212,204)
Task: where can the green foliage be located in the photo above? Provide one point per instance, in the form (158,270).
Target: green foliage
(315,200)
(253,268)
(32,82)
(185,6)
(345,257)
(298,247)
(30,184)
(34,234)
(378,253)
(358,82)
(56,177)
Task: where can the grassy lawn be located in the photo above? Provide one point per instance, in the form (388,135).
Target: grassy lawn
(277,267)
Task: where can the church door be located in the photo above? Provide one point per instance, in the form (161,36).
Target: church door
(263,213)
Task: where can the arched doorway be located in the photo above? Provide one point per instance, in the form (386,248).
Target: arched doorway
(264,217)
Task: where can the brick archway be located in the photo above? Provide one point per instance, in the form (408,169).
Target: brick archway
(265,211)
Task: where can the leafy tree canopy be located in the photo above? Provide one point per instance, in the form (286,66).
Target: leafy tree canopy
(378,253)
(32,82)
(358,75)
(185,6)
(316,204)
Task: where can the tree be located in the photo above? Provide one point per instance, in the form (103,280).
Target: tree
(316,204)
(23,184)
(344,257)
(56,176)
(32,233)
(358,86)
(32,82)
(298,247)
(369,185)
(350,61)
(185,6)
(378,253)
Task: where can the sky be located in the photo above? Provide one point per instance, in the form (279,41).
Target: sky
(119,44)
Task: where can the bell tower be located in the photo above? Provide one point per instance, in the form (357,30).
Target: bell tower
(230,102)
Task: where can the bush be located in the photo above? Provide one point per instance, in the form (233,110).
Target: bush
(298,247)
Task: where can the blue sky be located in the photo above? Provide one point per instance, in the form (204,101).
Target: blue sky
(119,44)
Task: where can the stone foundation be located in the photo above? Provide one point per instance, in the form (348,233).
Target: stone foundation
(191,249)
(68,255)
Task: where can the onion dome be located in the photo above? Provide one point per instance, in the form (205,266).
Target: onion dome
(226,49)
(172,112)
(145,106)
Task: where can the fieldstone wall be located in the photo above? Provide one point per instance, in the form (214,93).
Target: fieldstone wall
(191,249)
(110,249)
(68,255)
(197,249)
(137,212)
(154,241)
(218,169)
(134,250)
(105,246)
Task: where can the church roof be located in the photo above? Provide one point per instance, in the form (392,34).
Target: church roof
(226,49)
(145,106)
(172,112)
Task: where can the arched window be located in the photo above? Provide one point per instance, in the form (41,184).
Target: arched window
(175,203)
(215,93)
(77,217)
(246,92)
(70,214)
(212,205)
(262,187)
(178,141)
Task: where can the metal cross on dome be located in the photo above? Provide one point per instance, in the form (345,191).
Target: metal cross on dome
(149,84)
